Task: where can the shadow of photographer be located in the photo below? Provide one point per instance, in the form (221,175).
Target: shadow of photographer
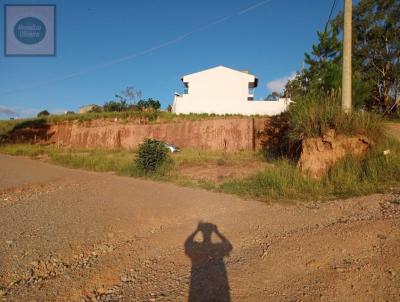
(208,277)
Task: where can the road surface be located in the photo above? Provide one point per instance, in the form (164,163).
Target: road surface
(71,235)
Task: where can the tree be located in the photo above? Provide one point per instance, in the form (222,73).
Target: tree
(149,104)
(126,100)
(324,70)
(114,106)
(129,95)
(376,50)
(274,96)
(376,56)
(43,113)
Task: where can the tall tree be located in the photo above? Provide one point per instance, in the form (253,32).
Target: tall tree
(376,49)
(324,60)
(323,71)
(376,56)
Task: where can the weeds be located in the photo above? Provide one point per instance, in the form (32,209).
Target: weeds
(375,173)
(191,157)
(313,114)
(282,180)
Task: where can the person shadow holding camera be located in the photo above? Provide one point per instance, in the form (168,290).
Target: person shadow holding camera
(208,277)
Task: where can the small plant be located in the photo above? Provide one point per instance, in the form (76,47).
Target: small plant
(151,155)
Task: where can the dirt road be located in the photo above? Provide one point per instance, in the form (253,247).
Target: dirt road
(69,235)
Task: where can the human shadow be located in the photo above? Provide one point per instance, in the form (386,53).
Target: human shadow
(208,276)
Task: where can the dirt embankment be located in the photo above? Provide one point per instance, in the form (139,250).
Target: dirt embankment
(227,134)
(318,155)
(69,235)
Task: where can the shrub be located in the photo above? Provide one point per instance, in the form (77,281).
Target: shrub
(151,155)
(149,105)
(114,106)
(43,113)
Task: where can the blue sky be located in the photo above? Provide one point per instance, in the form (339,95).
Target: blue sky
(105,46)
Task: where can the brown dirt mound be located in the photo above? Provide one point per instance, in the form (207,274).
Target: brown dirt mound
(319,154)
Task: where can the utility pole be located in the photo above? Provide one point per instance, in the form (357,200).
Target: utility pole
(346,70)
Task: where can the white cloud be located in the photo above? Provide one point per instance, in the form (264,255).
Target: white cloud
(7,111)
(278,85)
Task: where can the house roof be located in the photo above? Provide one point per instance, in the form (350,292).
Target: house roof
(221,67)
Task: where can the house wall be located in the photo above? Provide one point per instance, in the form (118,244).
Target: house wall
(223,91)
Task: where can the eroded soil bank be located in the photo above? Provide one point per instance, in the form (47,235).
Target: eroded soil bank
(225,134)
(71,235)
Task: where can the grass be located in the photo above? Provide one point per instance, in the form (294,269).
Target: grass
(349,177)
(313,114)
(191,157)
(279,181)
(90,159)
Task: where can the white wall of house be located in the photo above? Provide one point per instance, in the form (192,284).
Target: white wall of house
(223,90)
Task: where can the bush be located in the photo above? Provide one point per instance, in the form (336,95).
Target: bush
(114,106)
(313,114)
(151,155)
(148,105)
(43,113)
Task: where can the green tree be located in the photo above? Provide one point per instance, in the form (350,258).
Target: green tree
(376,56)
(114,106)
(324,72)
(149,104)
(274,96)
(43,113)
(376,50)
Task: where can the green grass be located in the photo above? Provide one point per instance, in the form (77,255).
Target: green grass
(100,160)
(313,114)
(349,177)
(191,157)
(281,180)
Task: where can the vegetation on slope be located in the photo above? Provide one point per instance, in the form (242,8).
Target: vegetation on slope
(379,171)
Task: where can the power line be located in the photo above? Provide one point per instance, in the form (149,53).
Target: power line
(140,53)
(330,14)
(332,10)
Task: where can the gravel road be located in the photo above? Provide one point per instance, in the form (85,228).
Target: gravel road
(71,235)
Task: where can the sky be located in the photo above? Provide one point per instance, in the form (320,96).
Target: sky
(105,46)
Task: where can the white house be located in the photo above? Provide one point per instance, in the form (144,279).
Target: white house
(223,90)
